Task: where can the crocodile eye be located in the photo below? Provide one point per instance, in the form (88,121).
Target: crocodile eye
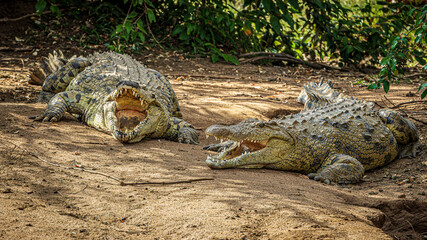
(261,125)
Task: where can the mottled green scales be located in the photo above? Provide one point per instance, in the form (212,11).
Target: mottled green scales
(116,94)
(336,139)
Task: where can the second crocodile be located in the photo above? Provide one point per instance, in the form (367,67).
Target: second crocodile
(333,141)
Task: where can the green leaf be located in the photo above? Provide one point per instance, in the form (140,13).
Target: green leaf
(151,16)
(40,7)
(140,24)
(55,9)
(394,43)
(294,4)
(288,19)
(214,58)
(118,28)
(275,24)
(423,95)
(385,60)
(132,15)
(149,3)
(386,86)
(141,37)
(373,86)
(177,30)
(128,27)
(267,5)
(393,64)
(229,58)
(401,55)
(420,60)
(349,49)
(422,87)
(383,72)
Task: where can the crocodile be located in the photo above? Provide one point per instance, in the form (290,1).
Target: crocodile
(115,94)
(335,139)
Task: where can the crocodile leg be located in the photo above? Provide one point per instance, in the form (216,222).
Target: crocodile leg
(73,102)
(339,168)
(181,131)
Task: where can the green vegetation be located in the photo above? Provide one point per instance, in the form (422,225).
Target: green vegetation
(391,35)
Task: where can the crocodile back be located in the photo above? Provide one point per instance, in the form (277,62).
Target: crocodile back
(109,69)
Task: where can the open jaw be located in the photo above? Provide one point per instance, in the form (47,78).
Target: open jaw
(130,112)
(238,150)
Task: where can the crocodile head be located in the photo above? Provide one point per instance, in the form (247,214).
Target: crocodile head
(131,113)
(254,144)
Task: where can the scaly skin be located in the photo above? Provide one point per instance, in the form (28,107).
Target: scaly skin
(116,94)
(335,141)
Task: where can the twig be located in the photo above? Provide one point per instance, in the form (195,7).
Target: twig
(166,183)
(122,183)
(415,75)
(80,190)
(20,49)
(407,115)
(95,143)
(22,17)
(411,226)
(148,25)
(286,57)
(389,101)
(203,76)
(123,25)
(410,102)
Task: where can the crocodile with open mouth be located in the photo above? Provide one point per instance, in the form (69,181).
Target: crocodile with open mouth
(336,139)
(116,94)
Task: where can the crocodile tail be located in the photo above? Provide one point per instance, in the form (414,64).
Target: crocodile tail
(322,90)
(46,67)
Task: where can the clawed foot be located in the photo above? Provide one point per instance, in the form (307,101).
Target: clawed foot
(319,177)
(46,117)
(188,135)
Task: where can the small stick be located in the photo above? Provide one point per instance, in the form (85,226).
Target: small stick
(389,101)
(415,75)
(166,183)
(122,183)
(411,226)
(407,115)
(409,102)
(22,17)
(80,190)
(97,143)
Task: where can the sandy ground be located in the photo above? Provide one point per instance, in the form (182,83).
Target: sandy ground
(41,201)
(62,180)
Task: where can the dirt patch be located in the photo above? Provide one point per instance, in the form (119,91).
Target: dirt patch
(41,201)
